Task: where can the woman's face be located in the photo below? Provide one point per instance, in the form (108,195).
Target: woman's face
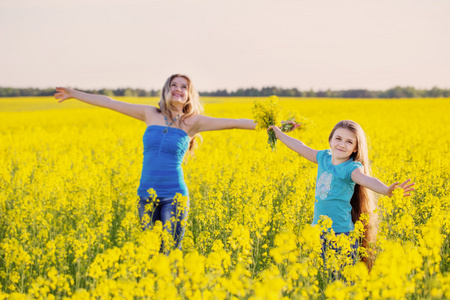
(179,90)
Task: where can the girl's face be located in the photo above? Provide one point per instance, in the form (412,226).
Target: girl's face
(179,90)
(343,144)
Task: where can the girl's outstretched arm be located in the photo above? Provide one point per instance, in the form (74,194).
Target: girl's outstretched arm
(136,111)
(377,186)
(295,145)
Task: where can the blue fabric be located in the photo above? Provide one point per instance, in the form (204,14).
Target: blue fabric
(164,210)
(334,190)
(328,245)
(164,150)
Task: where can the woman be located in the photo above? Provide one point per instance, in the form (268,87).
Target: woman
(171,131)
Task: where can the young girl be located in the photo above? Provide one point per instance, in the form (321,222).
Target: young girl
(343,178)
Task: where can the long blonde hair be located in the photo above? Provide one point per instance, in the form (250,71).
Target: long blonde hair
(363,200)
(191,107)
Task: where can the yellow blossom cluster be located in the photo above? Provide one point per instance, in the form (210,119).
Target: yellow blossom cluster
(267,112)
(69,227)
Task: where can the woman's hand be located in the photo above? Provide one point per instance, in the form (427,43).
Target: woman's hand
(63,94)
(288,126)
(404,185)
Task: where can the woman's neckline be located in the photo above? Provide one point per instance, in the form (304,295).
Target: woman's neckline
(169,128)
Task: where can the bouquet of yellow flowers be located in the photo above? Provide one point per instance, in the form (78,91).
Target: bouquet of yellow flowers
(267,112)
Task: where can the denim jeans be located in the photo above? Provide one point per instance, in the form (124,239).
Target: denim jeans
(326,244)
(164,210)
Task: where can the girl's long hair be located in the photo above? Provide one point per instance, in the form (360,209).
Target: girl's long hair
(363,200)
(191,107)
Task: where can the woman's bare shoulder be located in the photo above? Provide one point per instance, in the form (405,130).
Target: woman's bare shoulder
(152,110)
(192,124)
(199,118)
(195,118)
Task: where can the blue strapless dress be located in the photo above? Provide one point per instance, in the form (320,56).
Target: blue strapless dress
(164,150)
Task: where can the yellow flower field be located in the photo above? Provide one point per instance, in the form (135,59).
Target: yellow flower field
(69,226)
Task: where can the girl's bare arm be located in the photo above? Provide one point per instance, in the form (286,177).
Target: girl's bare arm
(295,145)
(377,186)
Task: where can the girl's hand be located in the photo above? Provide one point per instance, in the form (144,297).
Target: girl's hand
(63,94)
(275,129)
(404,185)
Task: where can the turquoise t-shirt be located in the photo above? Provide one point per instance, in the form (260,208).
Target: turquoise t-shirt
(334,190)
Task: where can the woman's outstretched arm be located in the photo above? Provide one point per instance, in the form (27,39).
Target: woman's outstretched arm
(204,123)
(136,111)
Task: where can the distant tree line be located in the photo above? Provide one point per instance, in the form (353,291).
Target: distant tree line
(34,92)
(396,92)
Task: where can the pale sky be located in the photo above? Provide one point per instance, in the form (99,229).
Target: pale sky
(319,44)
